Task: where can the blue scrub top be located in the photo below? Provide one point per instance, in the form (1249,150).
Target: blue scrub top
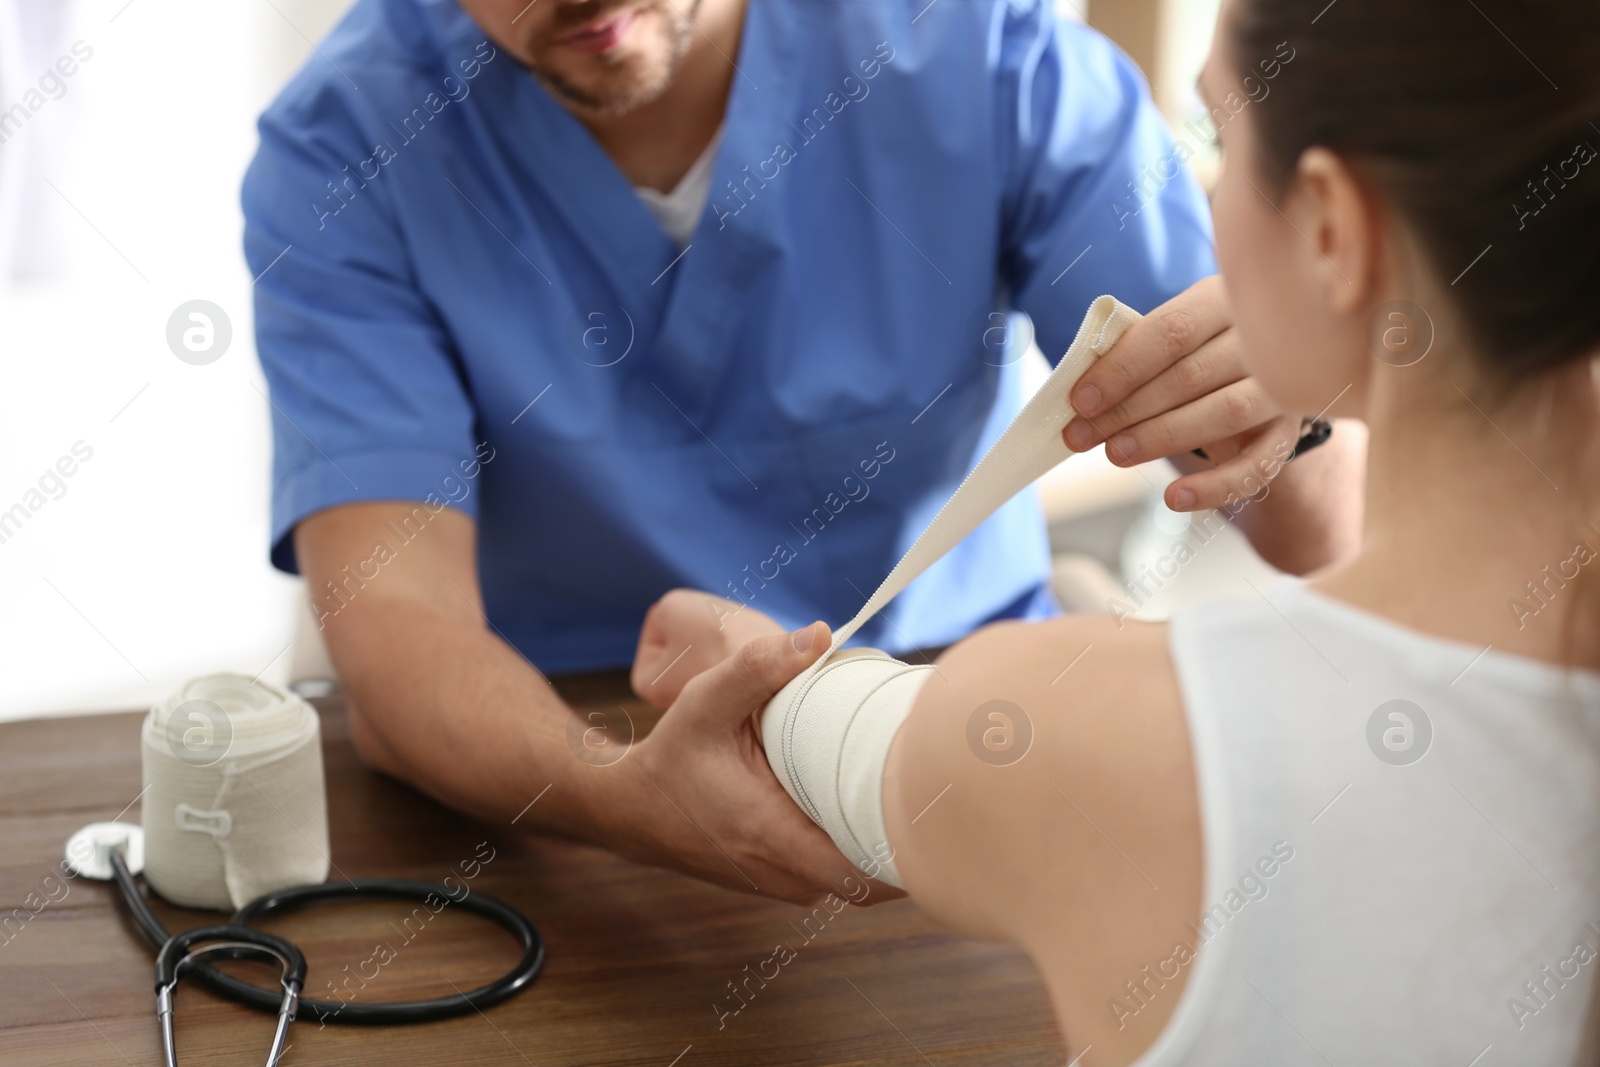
(463,302)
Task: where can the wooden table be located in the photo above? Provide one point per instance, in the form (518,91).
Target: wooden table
(639,959)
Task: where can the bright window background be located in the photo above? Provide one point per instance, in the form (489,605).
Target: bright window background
(118,203)
(121,199)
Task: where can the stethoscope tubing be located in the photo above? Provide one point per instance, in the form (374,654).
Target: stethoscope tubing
(286,900)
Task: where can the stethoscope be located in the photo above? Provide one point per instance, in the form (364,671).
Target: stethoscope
(114,851)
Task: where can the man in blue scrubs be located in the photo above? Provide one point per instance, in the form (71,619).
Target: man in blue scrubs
(565,304)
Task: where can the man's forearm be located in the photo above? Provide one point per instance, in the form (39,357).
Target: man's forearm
(1311,515)
(438,699)
(441,702)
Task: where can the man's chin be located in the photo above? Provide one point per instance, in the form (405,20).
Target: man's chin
(617,93)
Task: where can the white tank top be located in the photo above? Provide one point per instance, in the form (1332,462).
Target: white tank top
(1387,883)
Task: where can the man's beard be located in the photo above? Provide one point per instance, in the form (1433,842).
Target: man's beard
(630,82)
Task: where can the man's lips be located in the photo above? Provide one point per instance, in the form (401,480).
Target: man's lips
(599,36)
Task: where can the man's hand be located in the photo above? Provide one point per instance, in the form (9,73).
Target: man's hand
(1176,382)
(704,799)
(686,632)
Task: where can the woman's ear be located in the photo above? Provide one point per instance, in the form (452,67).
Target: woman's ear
(1340,218)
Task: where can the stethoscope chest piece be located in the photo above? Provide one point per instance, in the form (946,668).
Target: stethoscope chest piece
(88,852)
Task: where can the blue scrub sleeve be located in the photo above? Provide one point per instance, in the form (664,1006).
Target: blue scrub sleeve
(368,398)
(1081,127)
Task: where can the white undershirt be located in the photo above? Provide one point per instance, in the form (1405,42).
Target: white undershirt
(679,211)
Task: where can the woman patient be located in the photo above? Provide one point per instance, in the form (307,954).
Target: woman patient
(1355,819)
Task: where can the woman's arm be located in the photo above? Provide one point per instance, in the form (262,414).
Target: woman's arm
(1042,791)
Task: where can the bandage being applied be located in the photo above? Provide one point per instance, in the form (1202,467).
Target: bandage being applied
(827,733)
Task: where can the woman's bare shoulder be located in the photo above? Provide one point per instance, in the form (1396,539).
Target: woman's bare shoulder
(1084,653)
(1043,791)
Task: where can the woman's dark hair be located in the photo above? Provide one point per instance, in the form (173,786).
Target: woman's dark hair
(1471,117)
(1477,137)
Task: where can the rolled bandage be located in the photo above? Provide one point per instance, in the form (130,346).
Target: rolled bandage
(827,733)
(234,803)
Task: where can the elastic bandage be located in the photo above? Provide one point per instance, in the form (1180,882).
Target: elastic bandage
(828,732)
